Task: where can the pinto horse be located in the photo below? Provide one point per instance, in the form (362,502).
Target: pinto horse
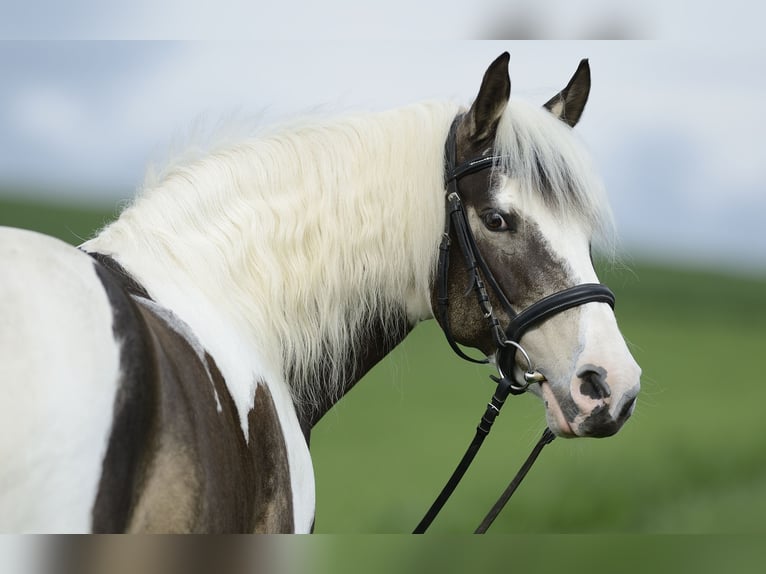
(165,375)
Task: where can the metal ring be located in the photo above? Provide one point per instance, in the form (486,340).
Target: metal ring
(530,376)
(523,352)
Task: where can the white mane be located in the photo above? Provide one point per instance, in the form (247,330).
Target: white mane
(303,237)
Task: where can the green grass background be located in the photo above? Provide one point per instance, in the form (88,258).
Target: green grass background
(691,460)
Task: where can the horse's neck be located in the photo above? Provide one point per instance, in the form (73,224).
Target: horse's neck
(373,345)
(315,248)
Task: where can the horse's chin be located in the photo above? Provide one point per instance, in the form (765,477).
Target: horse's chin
(554,414)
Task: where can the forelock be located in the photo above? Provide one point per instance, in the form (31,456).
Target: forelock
(544,156)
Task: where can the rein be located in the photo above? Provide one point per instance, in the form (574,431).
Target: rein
(506,340)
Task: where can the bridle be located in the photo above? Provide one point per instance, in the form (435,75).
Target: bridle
(505,340)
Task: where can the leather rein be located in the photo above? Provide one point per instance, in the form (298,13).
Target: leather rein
(506,340)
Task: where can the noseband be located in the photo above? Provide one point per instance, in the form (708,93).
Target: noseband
(506,340)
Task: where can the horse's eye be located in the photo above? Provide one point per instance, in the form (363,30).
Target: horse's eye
(494,221)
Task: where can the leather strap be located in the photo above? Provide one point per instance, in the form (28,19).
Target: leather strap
(482,430)
(545,439)
(556,303)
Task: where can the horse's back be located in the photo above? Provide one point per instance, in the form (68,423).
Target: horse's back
(59,366)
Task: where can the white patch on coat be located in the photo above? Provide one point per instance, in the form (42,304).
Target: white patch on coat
(59,367)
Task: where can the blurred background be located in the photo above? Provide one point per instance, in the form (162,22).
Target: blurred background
(675,127)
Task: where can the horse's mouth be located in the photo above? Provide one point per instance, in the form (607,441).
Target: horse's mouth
(557,422)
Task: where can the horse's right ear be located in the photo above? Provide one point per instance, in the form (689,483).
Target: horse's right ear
(485,113)
(569,103)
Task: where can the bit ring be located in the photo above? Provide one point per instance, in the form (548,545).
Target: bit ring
(530,376)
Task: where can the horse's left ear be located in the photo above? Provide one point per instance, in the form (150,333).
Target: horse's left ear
(482,119)
(569,103)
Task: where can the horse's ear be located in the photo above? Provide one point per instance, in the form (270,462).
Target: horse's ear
(485,113)
(569,103)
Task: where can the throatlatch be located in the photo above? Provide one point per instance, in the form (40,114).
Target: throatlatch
(506,341)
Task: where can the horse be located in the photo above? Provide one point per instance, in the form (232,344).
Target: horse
(165,375)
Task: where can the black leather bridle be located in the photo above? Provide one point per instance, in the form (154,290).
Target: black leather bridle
(506,340)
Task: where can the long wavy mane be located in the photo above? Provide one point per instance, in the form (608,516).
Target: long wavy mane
(303,237)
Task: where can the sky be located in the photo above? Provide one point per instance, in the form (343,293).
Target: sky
(674,124)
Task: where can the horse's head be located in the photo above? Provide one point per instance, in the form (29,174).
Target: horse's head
(531,219)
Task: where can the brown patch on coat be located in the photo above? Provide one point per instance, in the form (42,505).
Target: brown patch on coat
(177,460)
(273,497)
(202,475)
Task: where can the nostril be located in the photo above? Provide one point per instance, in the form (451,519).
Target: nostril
(594,383)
